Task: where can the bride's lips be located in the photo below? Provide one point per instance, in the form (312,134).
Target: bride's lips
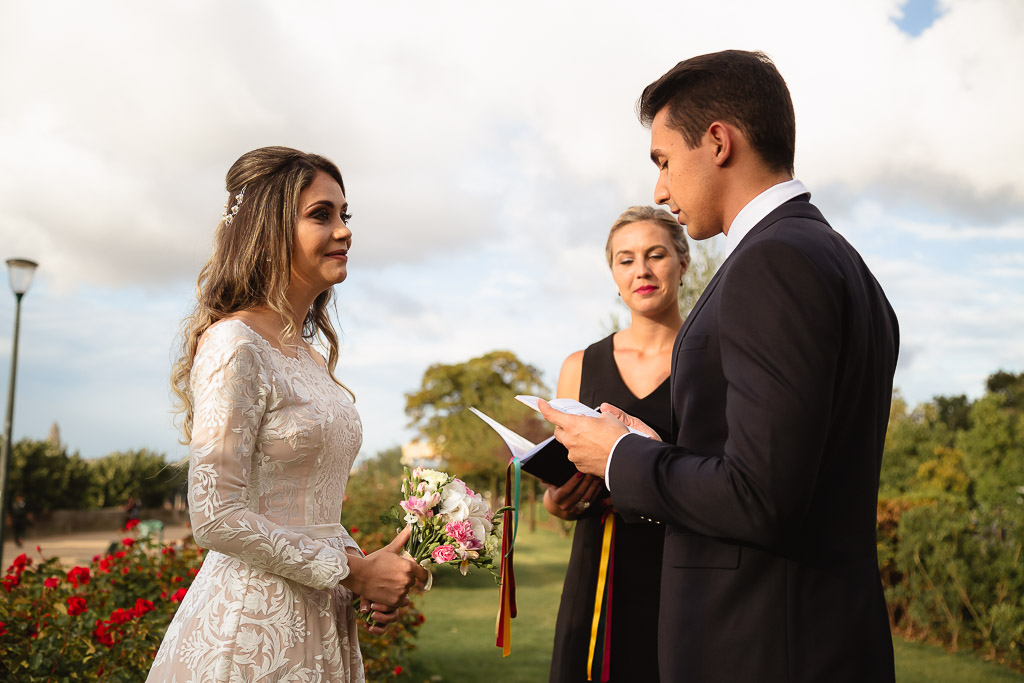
(340,254)
(646,289)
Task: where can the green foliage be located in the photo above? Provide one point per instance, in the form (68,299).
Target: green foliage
(962,577)
(376,485)
(954,411)
(386,465)
(106,621)
(951,519)
(911,440)
(44,473)
(1008,385)
(943,474)
(704,263)
(994,449)
(103,622)
(49,478)
(140,473)
(440,410)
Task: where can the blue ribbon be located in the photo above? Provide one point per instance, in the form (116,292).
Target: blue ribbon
(515,524)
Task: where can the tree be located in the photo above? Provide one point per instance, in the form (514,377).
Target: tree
(911,440)
(440,411)
(954,411)
(43,472)
(994,449)
(385,464)
(140,473)
(1008,385)
(944,474)
(704,263)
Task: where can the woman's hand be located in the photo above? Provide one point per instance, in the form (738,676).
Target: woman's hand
(574,497)
(384,576)
(382,615)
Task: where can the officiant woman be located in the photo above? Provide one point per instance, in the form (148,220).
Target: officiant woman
(608,617)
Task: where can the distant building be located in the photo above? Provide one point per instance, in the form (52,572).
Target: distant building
(54,436)
(418,453)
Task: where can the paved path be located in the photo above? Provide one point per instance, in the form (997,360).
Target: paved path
(78,548)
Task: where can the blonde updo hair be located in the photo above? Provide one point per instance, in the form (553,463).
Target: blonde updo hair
(662,218)
(251,262)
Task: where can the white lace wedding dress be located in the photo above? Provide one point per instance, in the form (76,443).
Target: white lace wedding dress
(272,444)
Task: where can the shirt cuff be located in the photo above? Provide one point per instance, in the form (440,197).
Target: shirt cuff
(608,465)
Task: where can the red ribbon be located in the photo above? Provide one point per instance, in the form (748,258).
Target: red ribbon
(507,576)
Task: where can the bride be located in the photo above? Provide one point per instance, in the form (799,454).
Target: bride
(272,435)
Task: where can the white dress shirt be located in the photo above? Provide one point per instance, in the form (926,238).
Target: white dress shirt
(749,216)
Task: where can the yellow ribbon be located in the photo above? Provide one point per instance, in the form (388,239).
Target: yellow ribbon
(602,576)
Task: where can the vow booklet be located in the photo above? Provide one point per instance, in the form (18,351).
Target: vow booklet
(548,460)
(568,406)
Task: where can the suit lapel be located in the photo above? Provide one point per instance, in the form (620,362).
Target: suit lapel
(798,206)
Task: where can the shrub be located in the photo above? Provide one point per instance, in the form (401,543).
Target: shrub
(106,621)
(956,575)
(102,622)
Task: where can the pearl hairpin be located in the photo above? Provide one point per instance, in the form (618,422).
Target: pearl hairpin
(229,214)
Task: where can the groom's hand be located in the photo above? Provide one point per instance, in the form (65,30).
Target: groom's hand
(589,439)
(630,421)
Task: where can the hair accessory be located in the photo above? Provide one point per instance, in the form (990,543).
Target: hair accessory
(229,214)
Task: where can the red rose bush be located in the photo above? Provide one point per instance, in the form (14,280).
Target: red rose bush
(106,621)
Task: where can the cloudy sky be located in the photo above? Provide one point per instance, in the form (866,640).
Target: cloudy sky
(486,150)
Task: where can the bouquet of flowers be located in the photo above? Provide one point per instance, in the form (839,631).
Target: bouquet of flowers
(451,524)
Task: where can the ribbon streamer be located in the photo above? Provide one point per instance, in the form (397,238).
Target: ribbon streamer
(601,625)
(517,466)
(507,577)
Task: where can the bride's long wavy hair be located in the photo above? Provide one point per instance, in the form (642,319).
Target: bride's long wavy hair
(251,261)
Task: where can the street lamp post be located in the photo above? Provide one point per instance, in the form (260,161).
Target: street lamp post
(21,272)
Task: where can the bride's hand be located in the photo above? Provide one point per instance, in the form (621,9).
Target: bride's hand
(382,615)
(384,576)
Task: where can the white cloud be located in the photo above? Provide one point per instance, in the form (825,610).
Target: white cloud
(486,149)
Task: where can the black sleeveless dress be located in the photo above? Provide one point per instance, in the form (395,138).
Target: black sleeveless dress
(637,553)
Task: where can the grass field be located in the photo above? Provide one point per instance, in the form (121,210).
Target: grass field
(456,644)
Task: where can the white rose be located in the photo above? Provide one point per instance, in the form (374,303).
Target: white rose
(455,501)
(479,517)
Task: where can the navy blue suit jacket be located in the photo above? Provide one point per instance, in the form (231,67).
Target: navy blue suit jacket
(781,385)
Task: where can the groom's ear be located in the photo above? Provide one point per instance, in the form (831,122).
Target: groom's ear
(721,137)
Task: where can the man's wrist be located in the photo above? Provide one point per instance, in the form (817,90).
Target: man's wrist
(608,463)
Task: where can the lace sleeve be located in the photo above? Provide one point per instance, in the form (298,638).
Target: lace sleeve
(229,389)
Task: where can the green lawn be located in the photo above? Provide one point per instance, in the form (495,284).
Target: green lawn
(456,644)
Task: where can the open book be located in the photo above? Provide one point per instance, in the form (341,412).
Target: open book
(569,406)
(548,460)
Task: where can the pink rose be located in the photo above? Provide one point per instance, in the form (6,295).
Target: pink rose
(443,553)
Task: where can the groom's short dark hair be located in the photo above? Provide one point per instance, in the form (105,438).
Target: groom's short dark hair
(740,88)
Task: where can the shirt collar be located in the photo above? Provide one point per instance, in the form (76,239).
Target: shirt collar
(759,207)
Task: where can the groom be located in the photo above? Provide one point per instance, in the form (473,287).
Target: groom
(781,384)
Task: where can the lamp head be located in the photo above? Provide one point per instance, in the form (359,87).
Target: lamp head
(21,271)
